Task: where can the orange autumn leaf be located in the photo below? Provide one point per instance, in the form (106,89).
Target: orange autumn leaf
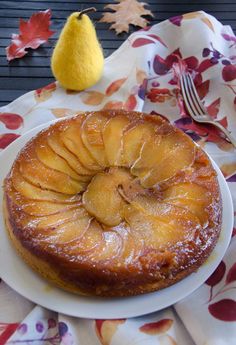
(140,75)
(105,329)
(115,86)
(92,97)
(113,105)
(126,12)
(44,93)
(158,327)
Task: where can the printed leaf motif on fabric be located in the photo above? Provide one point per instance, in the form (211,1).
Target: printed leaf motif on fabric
(224,310)
(92,97)
(115,86)
(11,121)
(7,138)
(157,327)
(44,93)
(105,329)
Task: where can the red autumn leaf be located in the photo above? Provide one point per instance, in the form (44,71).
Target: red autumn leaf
(115,86)
(130,103)
(213,108)
(11,121)
(203,89)
(217,275)
(157,38)
(224,310)
(33,33)
(229,73)
(139,42)
(158,327)
(231,275)
(7,138)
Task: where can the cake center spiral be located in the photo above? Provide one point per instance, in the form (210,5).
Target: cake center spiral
(102,198)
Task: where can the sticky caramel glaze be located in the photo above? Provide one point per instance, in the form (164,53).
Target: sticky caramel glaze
(95,258)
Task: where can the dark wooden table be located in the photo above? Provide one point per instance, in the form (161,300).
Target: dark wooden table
(33,70)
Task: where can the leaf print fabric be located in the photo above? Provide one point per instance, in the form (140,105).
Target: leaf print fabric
(143,75)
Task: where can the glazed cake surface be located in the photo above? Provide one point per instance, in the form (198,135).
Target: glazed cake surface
(113,203)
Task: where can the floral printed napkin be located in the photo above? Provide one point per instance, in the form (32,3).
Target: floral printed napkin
(141,75)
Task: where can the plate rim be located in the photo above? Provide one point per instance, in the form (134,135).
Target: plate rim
(90,314)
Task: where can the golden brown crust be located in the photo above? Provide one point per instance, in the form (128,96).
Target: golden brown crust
(96,258)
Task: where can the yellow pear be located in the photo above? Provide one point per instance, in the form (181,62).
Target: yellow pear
(77,60)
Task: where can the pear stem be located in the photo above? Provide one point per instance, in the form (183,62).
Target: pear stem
(87,10)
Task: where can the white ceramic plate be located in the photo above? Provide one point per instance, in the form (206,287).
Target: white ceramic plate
(30,285)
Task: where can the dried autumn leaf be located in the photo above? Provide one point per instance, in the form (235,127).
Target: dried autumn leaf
(126,12)
(33,33)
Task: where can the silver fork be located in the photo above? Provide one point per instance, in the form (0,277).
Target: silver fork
(195,106)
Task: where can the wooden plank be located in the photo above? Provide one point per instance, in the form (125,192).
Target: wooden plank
(30,72)
(159,16)
(9,95)
(155,8)
(24,83)
(107,34)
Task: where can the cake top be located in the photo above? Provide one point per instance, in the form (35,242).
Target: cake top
(124,190)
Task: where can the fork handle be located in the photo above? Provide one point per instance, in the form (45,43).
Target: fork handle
(227,133)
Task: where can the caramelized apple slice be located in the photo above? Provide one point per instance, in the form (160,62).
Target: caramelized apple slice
(73,142)
(132,246)
(110,248)
(148,157)
(32,192)
(133,141)
(191,196)
(91,136)
(39,208)
(52,160)
(73,231)
(59,218)
(163,158)
(89,242)
(160,225)
(102,198)
(38,174)
(56,144)
(113,138)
